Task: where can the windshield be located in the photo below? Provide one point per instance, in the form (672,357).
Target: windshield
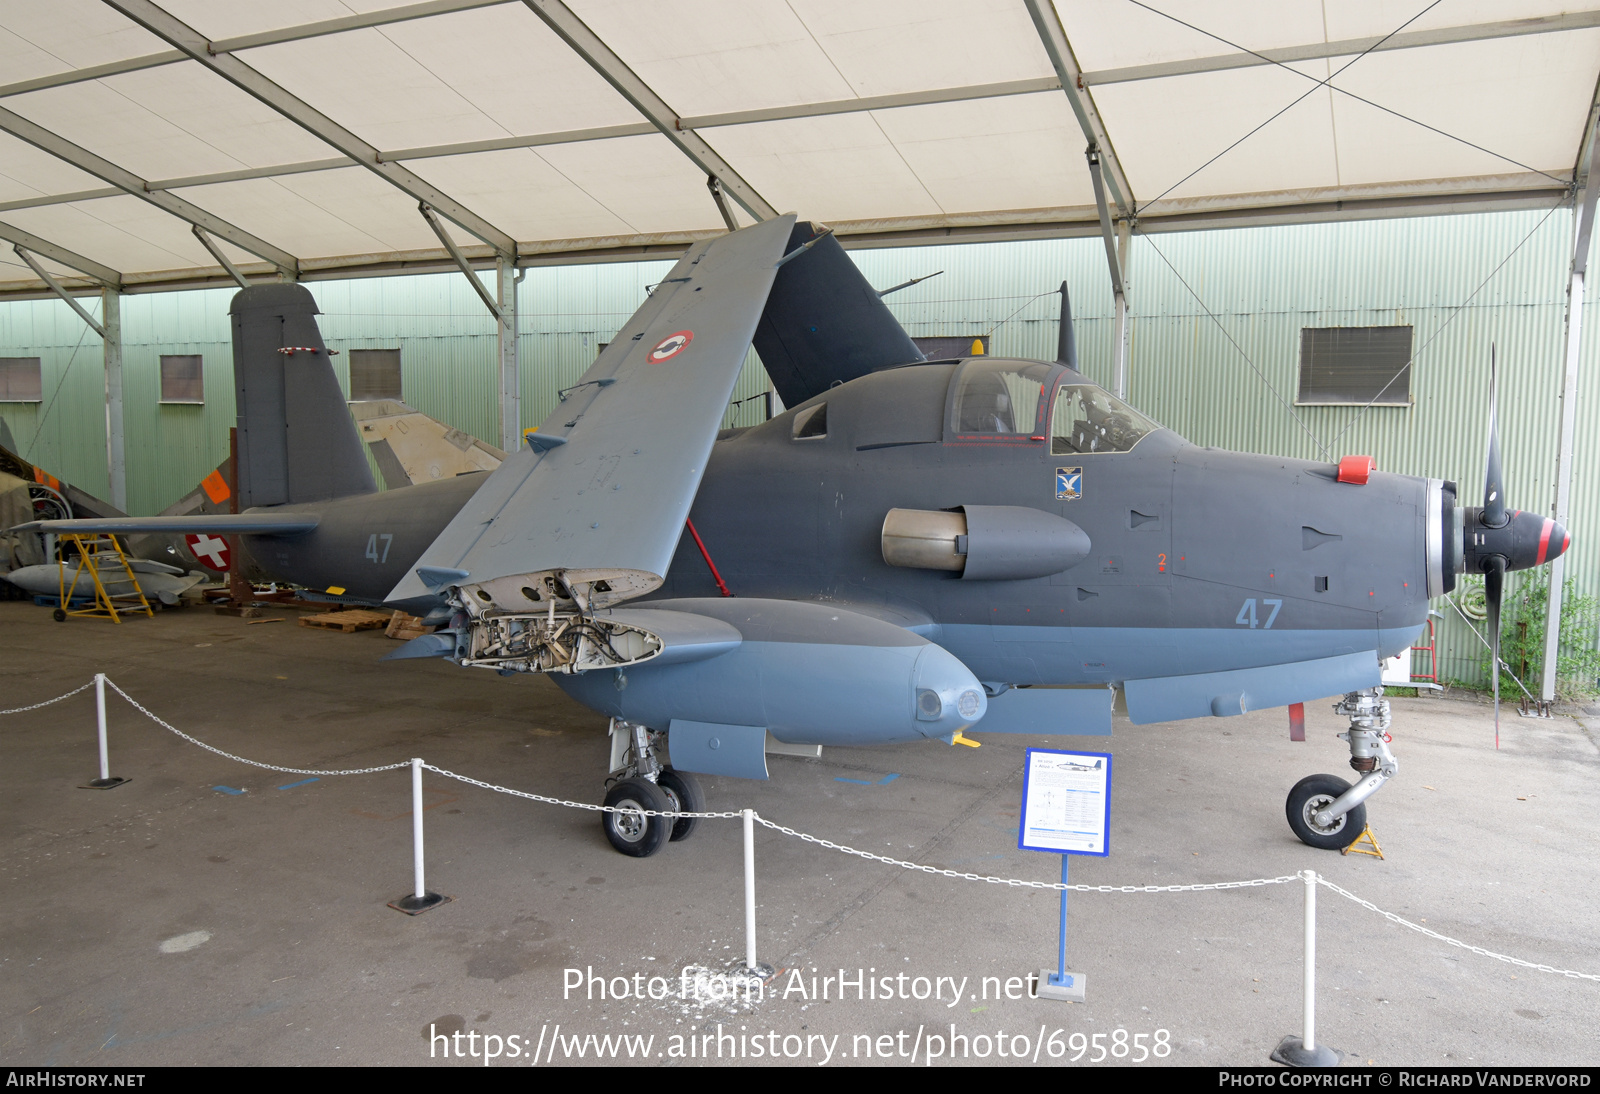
(1091,419)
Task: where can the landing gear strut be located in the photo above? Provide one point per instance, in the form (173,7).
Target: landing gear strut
(645,785)
(1324,810)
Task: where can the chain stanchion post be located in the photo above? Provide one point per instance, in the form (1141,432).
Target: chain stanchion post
(420,900)
(105,781)
(752,967)
(1303,1050)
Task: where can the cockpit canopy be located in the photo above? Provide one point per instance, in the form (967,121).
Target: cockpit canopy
(992,397)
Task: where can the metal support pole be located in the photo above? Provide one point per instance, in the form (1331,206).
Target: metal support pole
(510,374)
(420,900)
(749,890)
(116,457)
(416,827)
(1564,447)
(1123,334)
(105,781)
(1582,233)
(1302,1050)
(55,287)
(459,258)
(216,252)
(1308,1028)
(100,718)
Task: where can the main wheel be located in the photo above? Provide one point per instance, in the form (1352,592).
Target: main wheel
(1317,792)
(684,791)
(633,833)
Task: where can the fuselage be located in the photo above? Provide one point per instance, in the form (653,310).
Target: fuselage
(1201,560)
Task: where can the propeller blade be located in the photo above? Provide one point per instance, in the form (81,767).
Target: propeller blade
(1494,579)
(1494,496)
(1066,340)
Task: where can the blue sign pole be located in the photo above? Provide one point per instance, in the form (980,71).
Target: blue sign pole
(1059,978)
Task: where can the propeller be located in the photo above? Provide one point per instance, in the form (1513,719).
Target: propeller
(1066,341)
(1494,566)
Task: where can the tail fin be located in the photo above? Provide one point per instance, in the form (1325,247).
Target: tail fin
(297,441)
(824,324)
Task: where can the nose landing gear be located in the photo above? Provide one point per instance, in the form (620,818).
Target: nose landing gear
(1327,812)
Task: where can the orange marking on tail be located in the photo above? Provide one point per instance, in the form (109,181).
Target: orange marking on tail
(216,487)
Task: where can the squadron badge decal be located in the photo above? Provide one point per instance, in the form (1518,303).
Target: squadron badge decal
(1069,483)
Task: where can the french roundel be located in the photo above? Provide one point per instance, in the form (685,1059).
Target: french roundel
(670,346)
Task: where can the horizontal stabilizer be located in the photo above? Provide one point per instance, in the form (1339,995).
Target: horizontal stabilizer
(1222,694)
(259,524)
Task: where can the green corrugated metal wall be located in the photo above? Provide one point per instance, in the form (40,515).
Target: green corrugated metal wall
(1461,282)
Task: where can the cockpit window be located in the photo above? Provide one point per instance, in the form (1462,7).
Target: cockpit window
(811,422)
(1091,419)
(998,397)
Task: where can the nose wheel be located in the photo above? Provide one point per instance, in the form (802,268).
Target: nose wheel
(1325,811)
(1313,795)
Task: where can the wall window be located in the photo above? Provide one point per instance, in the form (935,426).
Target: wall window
(20,381)
(1341,366)
(374,374)
(182,380)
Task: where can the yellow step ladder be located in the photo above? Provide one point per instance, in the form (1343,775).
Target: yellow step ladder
(101,558)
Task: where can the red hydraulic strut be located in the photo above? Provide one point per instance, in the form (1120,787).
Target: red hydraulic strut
(705,554)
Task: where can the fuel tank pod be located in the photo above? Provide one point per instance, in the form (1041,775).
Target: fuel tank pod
(984,542)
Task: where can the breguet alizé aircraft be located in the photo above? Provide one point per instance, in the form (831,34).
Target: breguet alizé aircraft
(914,549)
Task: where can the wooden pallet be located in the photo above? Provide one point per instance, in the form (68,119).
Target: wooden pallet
(354,619)
(405,627)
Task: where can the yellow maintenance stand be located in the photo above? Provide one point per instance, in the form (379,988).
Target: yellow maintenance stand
(101,558)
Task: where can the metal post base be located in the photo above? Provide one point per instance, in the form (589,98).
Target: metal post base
(412,904)
(762,972)
(1292,1052)
(104,784)
(1072,989)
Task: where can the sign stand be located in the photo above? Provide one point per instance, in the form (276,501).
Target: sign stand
(1067,986)
(1066,809)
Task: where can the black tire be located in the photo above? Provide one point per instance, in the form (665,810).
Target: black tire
(1315,792)
(684,791)
(59,615)
(631,833)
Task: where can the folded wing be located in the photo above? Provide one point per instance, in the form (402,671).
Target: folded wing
(589,513)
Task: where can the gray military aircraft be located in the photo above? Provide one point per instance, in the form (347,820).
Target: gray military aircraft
(912,550)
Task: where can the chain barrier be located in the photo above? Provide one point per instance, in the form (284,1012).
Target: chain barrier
(1371,907)
(240,759)
(57,699)
(1015,883)
(590,806)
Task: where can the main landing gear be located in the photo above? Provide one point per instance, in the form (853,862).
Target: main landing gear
(644,786)
(1324,810)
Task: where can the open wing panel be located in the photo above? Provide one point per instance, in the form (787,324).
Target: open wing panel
(591,510)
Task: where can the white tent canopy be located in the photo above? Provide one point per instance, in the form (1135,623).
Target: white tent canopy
(301,135)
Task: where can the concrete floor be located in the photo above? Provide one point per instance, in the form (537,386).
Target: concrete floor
(170,922)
